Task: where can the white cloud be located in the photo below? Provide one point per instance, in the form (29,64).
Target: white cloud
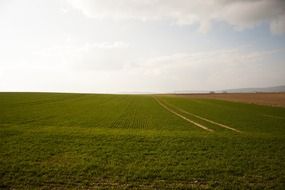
(51,45)
(107,45)
(210,70)
(238,13)
(101,55)
(79,72)
(277,26)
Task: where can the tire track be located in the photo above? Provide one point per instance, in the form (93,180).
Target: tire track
(273,116)
(181,116)
(204,119)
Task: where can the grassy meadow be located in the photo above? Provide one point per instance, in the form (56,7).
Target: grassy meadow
(88,141)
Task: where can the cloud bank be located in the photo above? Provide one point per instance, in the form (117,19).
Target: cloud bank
(238,13)
(140,45)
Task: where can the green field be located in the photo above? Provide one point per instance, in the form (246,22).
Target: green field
(85,141)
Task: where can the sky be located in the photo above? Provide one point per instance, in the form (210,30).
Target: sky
(141,46)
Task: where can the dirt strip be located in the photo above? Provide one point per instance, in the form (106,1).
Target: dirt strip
(210,121)
(181,116)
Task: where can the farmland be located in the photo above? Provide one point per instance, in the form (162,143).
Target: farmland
(270,99)
(89,141)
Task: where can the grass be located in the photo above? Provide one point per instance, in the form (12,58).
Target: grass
(84,141)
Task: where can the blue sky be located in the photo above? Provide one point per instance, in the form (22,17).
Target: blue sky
(141,46)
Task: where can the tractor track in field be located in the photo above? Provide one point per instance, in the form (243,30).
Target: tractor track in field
(210,121)
(199,117)
(181,116)
(273,116)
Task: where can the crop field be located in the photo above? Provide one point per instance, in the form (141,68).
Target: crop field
(89,141)
(270,99)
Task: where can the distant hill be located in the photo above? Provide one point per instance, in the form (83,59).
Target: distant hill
(247,90)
